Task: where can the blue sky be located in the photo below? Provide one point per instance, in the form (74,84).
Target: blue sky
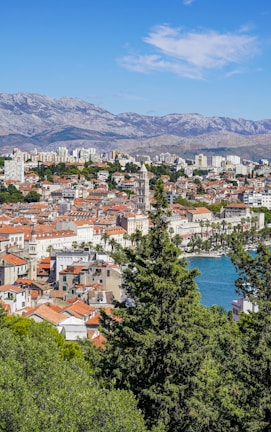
(153,57)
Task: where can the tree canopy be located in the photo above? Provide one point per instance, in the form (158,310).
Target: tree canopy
(156,345)
(46,385)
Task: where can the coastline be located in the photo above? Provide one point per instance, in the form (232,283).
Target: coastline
(218,254)
(202,255)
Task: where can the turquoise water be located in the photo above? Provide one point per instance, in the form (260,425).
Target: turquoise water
(216,281)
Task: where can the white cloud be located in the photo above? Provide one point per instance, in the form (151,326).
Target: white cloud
(149,63)
(234,72)
(191,54)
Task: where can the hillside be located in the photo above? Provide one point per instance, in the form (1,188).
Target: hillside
(32,121)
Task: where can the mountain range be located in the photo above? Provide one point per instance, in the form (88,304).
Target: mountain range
(29,121)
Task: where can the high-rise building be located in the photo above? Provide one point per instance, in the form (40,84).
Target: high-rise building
(14,170)
(63,154)
(201,161)
(235,160)
(217,161)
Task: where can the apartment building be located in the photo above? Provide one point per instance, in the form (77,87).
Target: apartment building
(14,170)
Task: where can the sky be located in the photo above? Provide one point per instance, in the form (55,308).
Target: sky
(152,57)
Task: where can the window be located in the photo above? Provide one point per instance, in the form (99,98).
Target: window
(64,288)
(64,278)
(108,273)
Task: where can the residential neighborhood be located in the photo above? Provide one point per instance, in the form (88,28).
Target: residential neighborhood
(59,257)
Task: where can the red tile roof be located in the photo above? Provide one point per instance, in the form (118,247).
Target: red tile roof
(46,313)
(14,260)
(13,288)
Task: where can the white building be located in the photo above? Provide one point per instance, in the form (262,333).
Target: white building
(235,160)
(83,229)
(241,169)
(46,241)
(244,305)
(63,154)
(135,221)
(64,259)
(257,199)
(72,328)
(13,296)
(216,161)
(201,161)
(14,236)
(14,170)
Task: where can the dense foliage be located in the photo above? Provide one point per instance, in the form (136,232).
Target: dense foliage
(160,344)
(191,368)
(170,364)
(46,385)
(11,194)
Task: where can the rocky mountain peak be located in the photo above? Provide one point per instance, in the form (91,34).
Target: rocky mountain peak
(40,121)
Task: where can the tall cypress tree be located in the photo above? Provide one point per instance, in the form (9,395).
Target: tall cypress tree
(156,344)
(254,283)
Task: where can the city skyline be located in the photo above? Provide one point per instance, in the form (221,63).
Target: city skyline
(153,58)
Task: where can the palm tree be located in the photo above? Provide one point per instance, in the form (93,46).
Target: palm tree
(99,248)
(223,223)
(192,243)
(49,249)
(254,221)
(177,240)
(213,226)
(243,221)
(125,238)
(90,244)
(201,224)
(113,243)
(229,227)
(105,238)
(207,224)
(198,244)
(248,220)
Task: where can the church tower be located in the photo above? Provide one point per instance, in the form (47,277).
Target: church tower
(143,190)
(33,255)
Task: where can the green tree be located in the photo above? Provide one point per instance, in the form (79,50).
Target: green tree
(3,312)
(10,194)
(219,402)
(105,238)
(254,283)
(32,196)
(156,344)
(40,390)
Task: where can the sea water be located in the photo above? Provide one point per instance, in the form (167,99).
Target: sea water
(216,281)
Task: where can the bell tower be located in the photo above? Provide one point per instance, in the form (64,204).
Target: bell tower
(33,255)
(143,189)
